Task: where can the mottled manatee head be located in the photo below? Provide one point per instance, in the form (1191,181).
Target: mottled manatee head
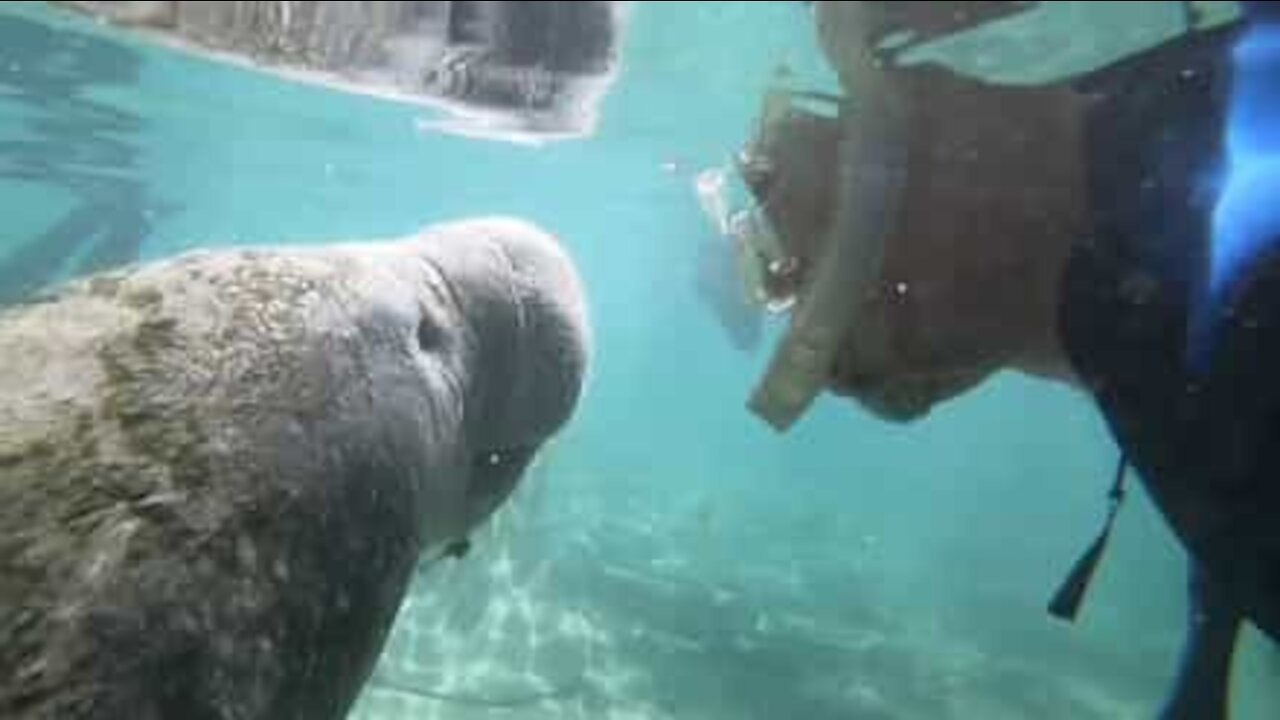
(523,354)
(257,446)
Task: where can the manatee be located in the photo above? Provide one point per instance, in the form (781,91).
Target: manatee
(219,471)
(524,71)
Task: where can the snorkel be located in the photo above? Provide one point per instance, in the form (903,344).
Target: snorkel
(842,262)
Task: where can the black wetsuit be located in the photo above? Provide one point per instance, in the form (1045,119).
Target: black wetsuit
(1204,437)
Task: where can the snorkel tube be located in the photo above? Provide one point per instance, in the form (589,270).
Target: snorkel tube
(847,258)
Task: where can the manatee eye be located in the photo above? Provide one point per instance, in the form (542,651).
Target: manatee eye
(496,460)
(495,472)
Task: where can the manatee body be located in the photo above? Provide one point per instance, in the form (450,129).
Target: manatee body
(218,472)
(541,69)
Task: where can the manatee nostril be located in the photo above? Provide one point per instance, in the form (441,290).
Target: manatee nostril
(430,336)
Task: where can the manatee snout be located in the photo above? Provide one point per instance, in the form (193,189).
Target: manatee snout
(527,349)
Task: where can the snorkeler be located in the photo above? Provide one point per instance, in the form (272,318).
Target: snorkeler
(1119,232)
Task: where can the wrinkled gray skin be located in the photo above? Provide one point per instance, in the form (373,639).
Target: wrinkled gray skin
(217,473)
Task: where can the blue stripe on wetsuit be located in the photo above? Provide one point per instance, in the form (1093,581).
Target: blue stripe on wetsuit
(1246,218)
(1245,224)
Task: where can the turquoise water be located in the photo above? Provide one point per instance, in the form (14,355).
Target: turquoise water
(669,557)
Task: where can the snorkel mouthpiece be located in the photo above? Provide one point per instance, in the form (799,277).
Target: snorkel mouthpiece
(796,375)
